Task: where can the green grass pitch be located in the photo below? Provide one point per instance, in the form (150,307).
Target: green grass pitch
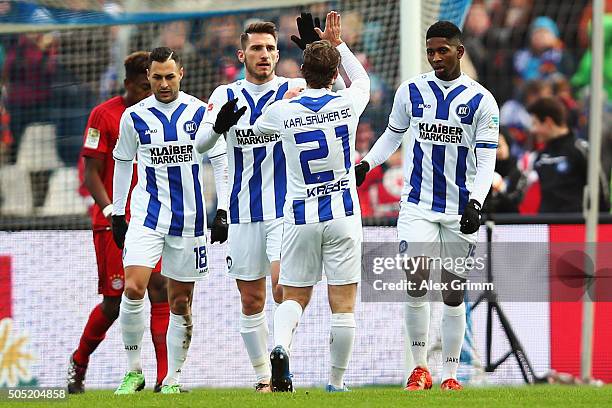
(522,396)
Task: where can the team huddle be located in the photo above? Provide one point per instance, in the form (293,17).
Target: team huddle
(283,156)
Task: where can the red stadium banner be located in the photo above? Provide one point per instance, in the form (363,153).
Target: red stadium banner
(6,299)
(566,317)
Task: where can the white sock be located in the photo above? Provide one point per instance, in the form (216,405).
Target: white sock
(178,339)
(254,332)
(417,324)
(453,331)
(132,321)
(341,339)
(286,319)
(408,360)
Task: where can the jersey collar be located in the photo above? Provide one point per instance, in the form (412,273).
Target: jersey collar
(254,88)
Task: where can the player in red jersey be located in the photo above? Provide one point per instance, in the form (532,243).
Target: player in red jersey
(100,138)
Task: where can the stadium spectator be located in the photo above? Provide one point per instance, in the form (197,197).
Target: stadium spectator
(28,75)
(562,164)
(218,47)
(509,182)
(545,55)
(288,67)
(515,118)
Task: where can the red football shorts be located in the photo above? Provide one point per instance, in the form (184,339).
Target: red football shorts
(110,264)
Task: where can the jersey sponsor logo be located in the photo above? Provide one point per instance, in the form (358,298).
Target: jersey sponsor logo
(326,189)
(418,344)
(247,137)
(211,107)
(190,127)
(437,132)
(451,360)
(171,154)
(131,347)
(424,106)
(317,119)
(93,138)
(463,110)
(229,262)
(403,246)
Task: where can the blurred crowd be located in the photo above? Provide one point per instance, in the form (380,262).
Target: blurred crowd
(521,50)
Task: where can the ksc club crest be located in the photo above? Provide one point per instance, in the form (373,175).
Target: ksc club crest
(190,127)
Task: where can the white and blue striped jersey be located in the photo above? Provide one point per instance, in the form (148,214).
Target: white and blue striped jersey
(317,130)
(257,174)
(446,122)
(168,197)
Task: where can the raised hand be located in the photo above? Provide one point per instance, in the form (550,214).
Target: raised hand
(333,28)
(228,116)
(306,28)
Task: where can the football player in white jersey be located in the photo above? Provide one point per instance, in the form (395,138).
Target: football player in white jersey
(451,121)
(322,218)
(168,213)
(257,178)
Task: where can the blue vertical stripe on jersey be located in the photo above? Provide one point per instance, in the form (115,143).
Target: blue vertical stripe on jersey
(439,180)
(170,133)
(343,133)
(231,96)
(197,119)
(473,105)
(280,178)
(175,183)
(299,212)
(416,177)
(442,103)
(234,208)
(348,202)
(199,200)
(325,211)
(315,104)
(256,109)
(154,204)
(281,91)
(142,128)
(416,100)
(259,155)
(460,177)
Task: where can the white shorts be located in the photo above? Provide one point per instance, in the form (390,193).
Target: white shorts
(333,246)
(433,234)
(184,259)
(252,246)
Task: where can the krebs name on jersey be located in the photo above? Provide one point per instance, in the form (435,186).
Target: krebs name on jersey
(326,189)
(437,132)
(171,154)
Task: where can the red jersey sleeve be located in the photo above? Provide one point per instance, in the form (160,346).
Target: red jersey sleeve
(96,141)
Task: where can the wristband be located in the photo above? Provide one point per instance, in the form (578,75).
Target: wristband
(106,211)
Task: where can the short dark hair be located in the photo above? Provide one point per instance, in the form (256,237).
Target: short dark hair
(163,54)
(321,61)
(549,108)
(259,27)
(136,64)
(444,29)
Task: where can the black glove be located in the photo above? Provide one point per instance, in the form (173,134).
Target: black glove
(470,220)
(218,232)
(228,116)
(306,29)
(119,227)
(360,172)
